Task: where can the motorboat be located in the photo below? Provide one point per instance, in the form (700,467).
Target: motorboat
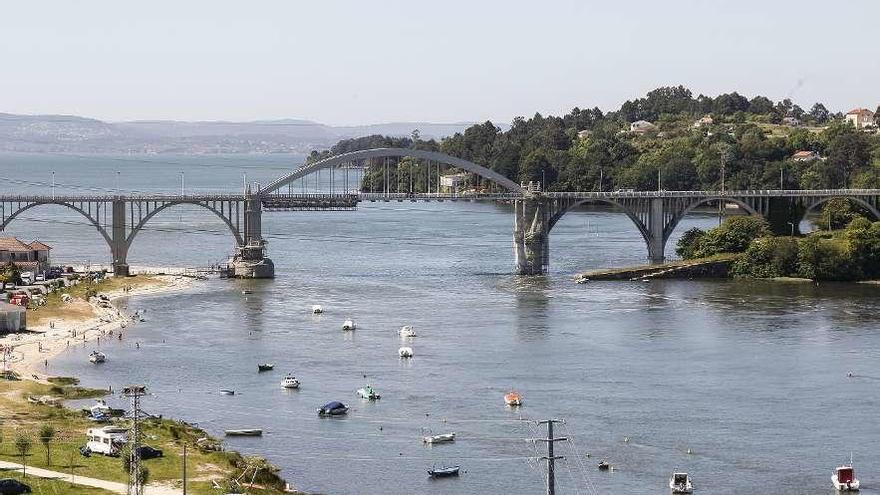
(245,432)
(317,309)
(407,332)
(512,398)
(100,407)
(289,381)
(680,483)
(442,438)
(265,367)
(348,325)
(334,408)
(226,391)
(368,393)
(97,357)
(405,352)
(844,478)
(247,291)
(443,472)
(604,466)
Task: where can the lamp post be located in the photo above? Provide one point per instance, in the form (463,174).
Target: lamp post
(792,229)
(182,183)
(53,185)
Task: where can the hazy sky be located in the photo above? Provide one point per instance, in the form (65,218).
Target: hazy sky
(351,62)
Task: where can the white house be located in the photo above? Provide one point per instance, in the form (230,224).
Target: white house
(641,127)
(860,118)
(707,120)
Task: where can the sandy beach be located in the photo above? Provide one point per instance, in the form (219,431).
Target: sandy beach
(81,322)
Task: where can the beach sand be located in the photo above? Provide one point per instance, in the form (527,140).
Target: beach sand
(80,322)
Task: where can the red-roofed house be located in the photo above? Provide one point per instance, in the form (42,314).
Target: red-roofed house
(28,257)
(805,156)
(860,117)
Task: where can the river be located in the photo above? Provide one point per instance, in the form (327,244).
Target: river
(750,377)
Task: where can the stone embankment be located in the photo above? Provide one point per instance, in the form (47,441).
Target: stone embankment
(714,267)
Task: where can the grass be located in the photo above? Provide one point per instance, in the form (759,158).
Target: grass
(42,486)
(78,309)
(663,266)
(21,416)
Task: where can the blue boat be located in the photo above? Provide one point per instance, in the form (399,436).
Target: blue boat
(334,408)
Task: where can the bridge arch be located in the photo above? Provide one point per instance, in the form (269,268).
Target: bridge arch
(677,217)
(143,221)
(434,156)
(95,223)
(640,225)
(873,210)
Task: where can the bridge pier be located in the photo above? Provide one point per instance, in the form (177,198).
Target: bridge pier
(656,238)
(119,245)
(531,236)
(250,259)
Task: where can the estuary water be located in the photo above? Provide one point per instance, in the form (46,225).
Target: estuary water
(749,377)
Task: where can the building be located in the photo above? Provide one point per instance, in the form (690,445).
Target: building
(860,118)
(806,156)
(641,127)
(791,121)
(33,257)
(707,120)
(585,134)
(13,318)
(452,182)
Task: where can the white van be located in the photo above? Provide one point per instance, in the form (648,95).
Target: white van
(27,278)
(108,440)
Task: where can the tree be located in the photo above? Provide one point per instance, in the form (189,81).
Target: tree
(689,243)
(768,257)
(877,116)
(761,105)
(23,446)
(46,434)
(837,213)
(733,236)
(819,113)
(848,150)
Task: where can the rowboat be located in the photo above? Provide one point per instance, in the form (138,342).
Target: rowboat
(97,357)
(265,367)
(246,432)
(334,408)
(226,391)
(443,472)
(442,438)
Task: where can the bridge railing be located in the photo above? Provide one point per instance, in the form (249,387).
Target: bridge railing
(35,198)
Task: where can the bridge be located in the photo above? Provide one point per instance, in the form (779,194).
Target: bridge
(397,174)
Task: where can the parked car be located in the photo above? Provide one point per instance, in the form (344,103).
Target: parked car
(39,278)
(11,486)
(146,452)
(27,278)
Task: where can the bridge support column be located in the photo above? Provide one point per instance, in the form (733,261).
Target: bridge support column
(250,260)
(656,238)
(119,248)
(531,236)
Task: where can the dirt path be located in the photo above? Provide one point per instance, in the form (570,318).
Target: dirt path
(112,486)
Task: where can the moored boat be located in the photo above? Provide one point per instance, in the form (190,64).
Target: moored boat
(444,472)
(97,357)
(334,408)
(289,381)
(226,391)
(368,393)
(317,309)
(265,367)
(405,352)
(442,438)
(512,398)
(844,478)
(348,325)
(245,432)
(407,332)
(603,465)
(680,483)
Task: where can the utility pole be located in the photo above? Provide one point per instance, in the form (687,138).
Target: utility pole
(53,185)
(550,458)
(658,178)
(135,392)
(184,468)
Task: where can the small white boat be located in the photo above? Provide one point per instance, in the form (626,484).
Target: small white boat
(680,483)
(442,438)
(289,381)
(97,357)
(844,478)
(348,325)
(317,309)
(100,408)
(226,391)
(247,291)
(405,352)
(368,393)
(407,332)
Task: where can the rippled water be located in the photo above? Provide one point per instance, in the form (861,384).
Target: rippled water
(750,376)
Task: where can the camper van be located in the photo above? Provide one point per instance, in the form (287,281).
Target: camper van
(27,278)
(108,440)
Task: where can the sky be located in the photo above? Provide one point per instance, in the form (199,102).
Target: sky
(346,62)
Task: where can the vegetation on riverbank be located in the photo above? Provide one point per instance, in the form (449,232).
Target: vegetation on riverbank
(850,254)
(752,140)
(24,419)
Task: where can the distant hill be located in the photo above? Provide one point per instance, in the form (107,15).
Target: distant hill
(66,133)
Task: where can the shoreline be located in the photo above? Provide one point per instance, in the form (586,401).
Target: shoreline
(32,350)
